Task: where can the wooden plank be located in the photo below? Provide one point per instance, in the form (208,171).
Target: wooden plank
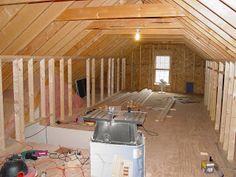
(51,77)
(62,95)
(36,27)
(31,89)
(109,78)
(209,88)
(120,12)
(42,89)
(214,91)
(102,80)
(229,106)
(219,96)
(69,69)
(232,127)
(112,75)
(18,99)
(118,75)
(123,63)
(2,124)
(224,104)
(88,81)
(206,83)
(18,2)
(93,81)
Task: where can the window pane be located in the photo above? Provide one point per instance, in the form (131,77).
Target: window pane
(162,74)
(163,62)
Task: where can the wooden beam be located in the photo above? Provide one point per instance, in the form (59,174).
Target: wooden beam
(209,87)
(2,124)
(69,69)
(118,75)
(18,2)
(93,81)
(232,127)
(206,83)
(219,96)
(42,89)
(224,104)
(62,95)
(146,31)
(112,75)
(31,89)
(51,72)
(120,12)
(109,78)
(214,90)
(102,80)
(229,106)
(88,82)
(18,99)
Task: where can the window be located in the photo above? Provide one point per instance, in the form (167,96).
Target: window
(162,69)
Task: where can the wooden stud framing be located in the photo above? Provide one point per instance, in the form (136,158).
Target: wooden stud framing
(42,89)
(102,80)
(18,85)
(51,72)
(88,81)
(2,124)
(112,75)
(219,96)
(109,78)
(31,89)
(209,86)
(123,72)
(224,104)
(206,84)
(214,90)
(69,65)
(93,81)
(232,128)
(229,106)
(118,76)
(62,95)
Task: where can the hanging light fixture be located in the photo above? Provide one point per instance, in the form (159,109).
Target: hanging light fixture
(137,35)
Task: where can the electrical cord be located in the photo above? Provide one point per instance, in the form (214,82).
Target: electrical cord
(36,133)
(150,132)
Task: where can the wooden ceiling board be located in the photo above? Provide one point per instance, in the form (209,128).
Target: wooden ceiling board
(19,23)
(36,27)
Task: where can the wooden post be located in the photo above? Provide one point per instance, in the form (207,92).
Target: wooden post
(112,75)
(118,76)
(51,72)
(18,85)
(62,95)
(102,80)
(219,96)
(214,90)
(42,88)
(2,124)
(88,81)
(93,81)
(70,109)
(224,104)
(229,106)
(123,73)
(31,88)
(232,128)
(109,78)
(206,84)
(209,86)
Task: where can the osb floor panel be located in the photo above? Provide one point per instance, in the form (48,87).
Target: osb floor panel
(174,153)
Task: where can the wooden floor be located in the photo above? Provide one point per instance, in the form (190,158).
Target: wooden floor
(182,136)
(175,152)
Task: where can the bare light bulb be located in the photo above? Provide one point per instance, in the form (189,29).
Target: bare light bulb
(137,35)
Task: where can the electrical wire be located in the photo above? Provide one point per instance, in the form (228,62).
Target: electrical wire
(150,132)
(36,133)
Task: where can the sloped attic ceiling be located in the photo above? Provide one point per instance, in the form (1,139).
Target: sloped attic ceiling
(106,27)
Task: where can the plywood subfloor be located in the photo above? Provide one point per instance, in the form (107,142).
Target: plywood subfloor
(182,136)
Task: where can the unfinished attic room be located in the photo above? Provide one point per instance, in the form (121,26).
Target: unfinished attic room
(117,88)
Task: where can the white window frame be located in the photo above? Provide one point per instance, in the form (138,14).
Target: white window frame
(156,68)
